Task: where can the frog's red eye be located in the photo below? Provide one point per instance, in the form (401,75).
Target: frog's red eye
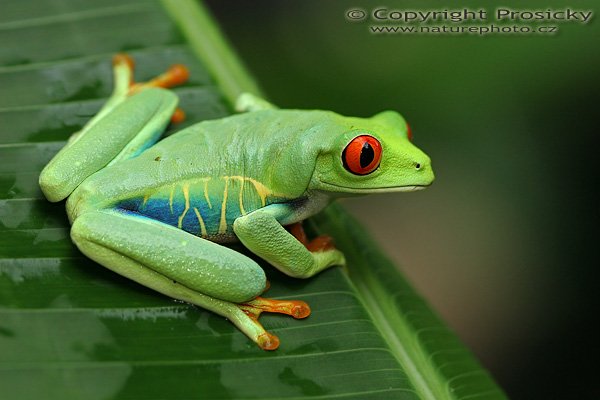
(362,155)
(409,132)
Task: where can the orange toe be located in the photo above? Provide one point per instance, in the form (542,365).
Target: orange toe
(124,58)
(300,310)
(268,341)
(178,116)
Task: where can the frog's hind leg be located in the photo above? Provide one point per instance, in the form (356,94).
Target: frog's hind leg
(131,120)
(125,86)
(121,133)
(176,75)
(183,266)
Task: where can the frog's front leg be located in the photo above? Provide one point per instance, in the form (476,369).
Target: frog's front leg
(262,233)
(182,266)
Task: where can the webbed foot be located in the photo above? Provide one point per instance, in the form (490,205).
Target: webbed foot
(253,308)
(177,74)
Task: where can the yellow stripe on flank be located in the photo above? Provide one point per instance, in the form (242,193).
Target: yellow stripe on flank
(223,222)
(201,222)
(241,198)
(171,198)
(186,196)
(261,189)
(146,197)
(206,192)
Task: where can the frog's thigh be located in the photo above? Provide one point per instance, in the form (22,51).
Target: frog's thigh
(167,259)
(131,126)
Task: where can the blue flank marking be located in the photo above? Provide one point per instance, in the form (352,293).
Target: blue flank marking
(158,209)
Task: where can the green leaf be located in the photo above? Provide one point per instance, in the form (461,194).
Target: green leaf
(71,329)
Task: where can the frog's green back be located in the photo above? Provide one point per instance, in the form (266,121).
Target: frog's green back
(204,177)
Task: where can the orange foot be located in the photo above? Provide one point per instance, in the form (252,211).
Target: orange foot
(253,308)
(176,75)
(320,243)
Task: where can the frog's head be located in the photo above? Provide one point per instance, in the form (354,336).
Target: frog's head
(373,155)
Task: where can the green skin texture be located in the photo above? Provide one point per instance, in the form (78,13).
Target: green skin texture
(159,216)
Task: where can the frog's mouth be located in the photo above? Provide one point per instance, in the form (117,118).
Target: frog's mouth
(389,189)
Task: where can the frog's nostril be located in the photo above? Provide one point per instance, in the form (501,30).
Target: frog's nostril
(418,166)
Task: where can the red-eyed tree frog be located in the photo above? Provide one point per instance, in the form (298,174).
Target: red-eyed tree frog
(159,214)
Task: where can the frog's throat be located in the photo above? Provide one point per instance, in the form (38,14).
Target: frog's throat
(389,189)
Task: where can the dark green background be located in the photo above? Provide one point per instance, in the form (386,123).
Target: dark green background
(504,244)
